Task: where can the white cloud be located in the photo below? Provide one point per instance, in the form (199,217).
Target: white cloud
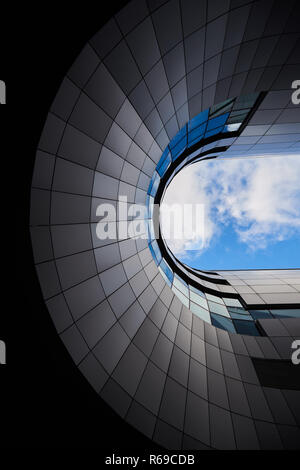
(260,197)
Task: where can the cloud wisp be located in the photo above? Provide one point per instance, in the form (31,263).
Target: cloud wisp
(259,197)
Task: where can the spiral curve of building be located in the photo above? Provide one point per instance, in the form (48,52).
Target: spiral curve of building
(156,346)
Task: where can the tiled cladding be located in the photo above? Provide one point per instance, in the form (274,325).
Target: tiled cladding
(132,88)
(268,287)
(240,313)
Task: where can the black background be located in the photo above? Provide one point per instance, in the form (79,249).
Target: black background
(44,400)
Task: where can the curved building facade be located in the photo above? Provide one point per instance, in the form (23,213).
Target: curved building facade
(192,359)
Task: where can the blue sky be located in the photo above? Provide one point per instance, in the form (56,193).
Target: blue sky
(252,213)
(228,252)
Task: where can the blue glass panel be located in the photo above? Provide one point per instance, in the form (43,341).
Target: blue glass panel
(151,234)
(163,157)
(178,137)
(166,270)
(157,254)
(150,205)
(222,322)
(151,185)
(196,135)
(152,251)
(286,313)
(165,277)
(197,120)
(246,327)
(258,314)
(240,316)
(164,163)
(176,151)
(239,310)
(154,183)
(214,132)
(217,122)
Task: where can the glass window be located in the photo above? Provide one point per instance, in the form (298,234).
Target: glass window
(181,280)
(164,163)
(217,122)
(232,302)
(218,308)
(167,280)
(200,312)
(150,205)
(181,135)
(222,322)
(197,291)
(246,328)
(197,120)
(214,131)
(196,135)
(214,298)
(152,251)
(167,270)
(258,314)
(286,313)
(151,233)
(155,249)
(240,316)
(237,116)
(180,147)
(181,296)
(245,101)
(221,108)
(182,287)
(239,310)
(198,300)
(154,184)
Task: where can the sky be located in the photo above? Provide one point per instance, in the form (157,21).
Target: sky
(250,213)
